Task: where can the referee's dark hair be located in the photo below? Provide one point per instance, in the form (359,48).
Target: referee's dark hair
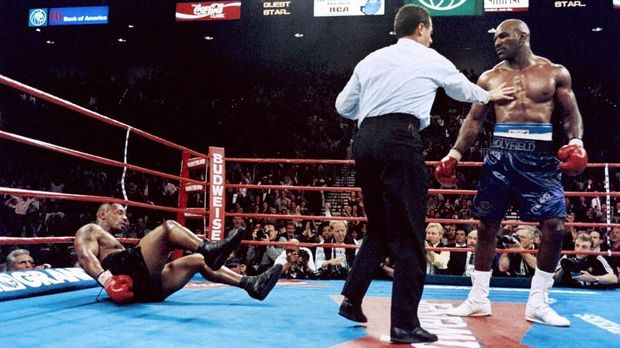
(408,18)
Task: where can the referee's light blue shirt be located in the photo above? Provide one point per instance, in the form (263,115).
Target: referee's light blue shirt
(403,78)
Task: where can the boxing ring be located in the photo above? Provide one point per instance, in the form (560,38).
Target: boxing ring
(297,312)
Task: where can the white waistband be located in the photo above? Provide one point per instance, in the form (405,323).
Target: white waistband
(537,131)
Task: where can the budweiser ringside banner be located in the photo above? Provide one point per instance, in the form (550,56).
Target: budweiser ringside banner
(208,11)
(217,203)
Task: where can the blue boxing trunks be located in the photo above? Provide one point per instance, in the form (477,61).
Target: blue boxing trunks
(520,168)
(130,262)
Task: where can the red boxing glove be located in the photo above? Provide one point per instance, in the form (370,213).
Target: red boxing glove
(118,287)
(444,170)
(573,157)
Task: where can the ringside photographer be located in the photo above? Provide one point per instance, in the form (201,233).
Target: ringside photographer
(585,270)
(297,262)
(518,265)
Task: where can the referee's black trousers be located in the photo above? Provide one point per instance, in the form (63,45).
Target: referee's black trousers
(391,172)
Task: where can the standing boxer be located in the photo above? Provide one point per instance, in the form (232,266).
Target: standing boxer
(520,167)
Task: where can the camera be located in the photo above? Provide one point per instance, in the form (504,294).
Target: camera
(303,254)
(509,240)
(298,272)
(261,234)
(571,267)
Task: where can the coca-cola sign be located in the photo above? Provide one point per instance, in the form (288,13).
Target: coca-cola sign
(208,11)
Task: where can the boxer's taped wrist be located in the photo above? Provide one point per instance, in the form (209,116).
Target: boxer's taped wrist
(576,141)
(103,277)
(456,154)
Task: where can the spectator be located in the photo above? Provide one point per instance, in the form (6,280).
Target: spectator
(236,265)
(19,260)
(581,208)
(436,263)
(20,206)
(261,258)
(519,265)
(55,221)
(458,260)
(309,234)
(238,224)
(460,239)
(291,231)
(585,270)
(328,209)
(282,202)
(571,233)
(614,243)
(56,185)
(325,232)
(470,260)
(616,213)
(596,240)
(335,263)
(297,262)
(446,210)
(449,234)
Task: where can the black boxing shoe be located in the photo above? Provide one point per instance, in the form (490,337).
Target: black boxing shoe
(260,286)
(217,253)
(417,335)
(352,311)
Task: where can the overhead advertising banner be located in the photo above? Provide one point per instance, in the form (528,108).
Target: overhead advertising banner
(37,17)
(78,15)
(338,8)
(570,4)
(40,17)
(506,5)
(450,8)
(208,11)
(277,8)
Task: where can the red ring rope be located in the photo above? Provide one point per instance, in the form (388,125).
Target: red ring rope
(84,155)
(97,199)
(196,211)
(81,110)
(69,240)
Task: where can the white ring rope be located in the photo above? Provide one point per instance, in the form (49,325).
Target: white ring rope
(125,162)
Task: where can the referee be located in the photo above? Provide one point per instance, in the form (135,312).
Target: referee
(390,96)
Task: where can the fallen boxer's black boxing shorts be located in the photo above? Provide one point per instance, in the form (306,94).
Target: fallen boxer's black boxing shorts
(130,262)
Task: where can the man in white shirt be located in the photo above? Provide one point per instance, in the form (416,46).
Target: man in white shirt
(297,262)
(340,259)
(436,262)
(390,95)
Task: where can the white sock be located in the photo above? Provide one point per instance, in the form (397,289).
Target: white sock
(480,286)
(540,285)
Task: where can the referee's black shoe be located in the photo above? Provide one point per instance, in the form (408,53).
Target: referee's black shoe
(417,335)
(352,311)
